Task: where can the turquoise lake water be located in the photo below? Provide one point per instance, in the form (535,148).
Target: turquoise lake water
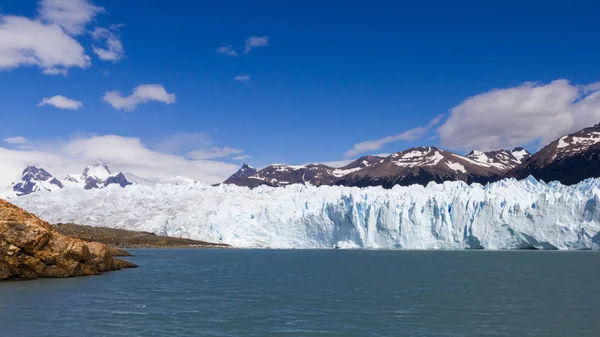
(317,293)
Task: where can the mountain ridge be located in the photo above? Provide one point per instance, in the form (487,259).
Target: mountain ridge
(96,175)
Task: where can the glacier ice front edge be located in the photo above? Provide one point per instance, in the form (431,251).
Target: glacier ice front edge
(508,214)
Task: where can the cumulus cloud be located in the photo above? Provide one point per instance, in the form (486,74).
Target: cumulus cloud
(126,154)
(141,94)
(411,134)
(15,140)
(48,40)
(71,15)
(61,102)
(113,47)
(26,42)
(255,42)
(526,114)
(242,78)
(214,152)
(227,49)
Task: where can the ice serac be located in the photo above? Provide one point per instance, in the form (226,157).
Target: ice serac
(35,179)
(508,214)
(569,159)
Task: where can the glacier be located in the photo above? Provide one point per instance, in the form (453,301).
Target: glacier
(508,214)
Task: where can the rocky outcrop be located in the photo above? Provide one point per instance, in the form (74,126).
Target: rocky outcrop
(31,248)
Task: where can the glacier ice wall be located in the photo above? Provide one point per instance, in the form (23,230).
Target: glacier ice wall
(508,214)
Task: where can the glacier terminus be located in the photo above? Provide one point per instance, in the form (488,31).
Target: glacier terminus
(508,214)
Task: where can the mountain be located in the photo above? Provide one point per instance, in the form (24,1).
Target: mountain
(278,175)
(569,159)
(97,175)
(507,214)
(504,160)
(357,165)
(35,179)
(421,165)
(94,176)
(244,172)
(282,175)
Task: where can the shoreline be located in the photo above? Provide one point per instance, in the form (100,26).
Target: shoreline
(120,239)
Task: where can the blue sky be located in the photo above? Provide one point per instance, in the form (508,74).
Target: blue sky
(334,74)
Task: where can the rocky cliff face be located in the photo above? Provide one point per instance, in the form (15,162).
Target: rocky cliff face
(31,248)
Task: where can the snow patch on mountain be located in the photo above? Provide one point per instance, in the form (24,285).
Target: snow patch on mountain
(508,214)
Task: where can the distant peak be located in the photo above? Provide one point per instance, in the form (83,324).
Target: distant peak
(40,173)
(30,168)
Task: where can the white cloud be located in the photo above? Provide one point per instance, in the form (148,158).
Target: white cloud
(124,153)
(242,78)
(181,143)
(15,140)
(241,157)
(411,134)
(141,94)
(528,113)
(26,42)
(214,152)
(61,102)
(71,15)
(255,42)
(227,49)
(114,47)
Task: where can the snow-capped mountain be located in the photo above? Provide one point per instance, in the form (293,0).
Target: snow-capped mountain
(278,175)
(569,159)
(34,179)
(421,165)
(97,175)
(508,214)
(357,165)
(505,160)
(282,175)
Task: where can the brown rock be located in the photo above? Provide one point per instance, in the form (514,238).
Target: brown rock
(31,248)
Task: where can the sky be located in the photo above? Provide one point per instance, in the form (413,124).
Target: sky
(196,88)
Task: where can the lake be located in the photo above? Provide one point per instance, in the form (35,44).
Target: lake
(232,292)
